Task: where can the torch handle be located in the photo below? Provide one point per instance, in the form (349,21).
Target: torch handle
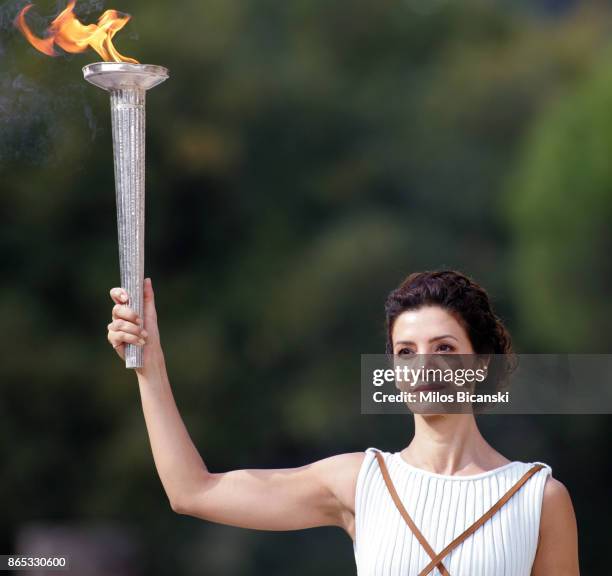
(134,353)
(131,262)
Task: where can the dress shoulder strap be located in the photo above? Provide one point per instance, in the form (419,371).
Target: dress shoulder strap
(436,559)
(398,503)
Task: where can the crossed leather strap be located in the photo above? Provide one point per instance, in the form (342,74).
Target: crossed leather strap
(436,559)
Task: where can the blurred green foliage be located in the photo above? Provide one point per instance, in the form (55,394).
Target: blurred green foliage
(303,158)
(561,210)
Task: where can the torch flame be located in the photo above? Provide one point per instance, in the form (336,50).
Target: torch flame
(72,36)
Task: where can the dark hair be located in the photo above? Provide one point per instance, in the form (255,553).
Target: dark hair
(468,302)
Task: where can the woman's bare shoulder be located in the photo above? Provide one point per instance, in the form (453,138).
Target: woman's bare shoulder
(348,463)
(556,500)
(557,551)
(341,473)
(345,463)
(558,520)
(349,459)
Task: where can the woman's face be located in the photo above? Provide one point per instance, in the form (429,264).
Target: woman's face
(429,330)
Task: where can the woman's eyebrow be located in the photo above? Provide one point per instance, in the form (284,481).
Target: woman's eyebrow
(431,339)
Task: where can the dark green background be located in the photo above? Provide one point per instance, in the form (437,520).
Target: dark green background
(303,158)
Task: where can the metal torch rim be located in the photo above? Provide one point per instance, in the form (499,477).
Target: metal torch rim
(116,75)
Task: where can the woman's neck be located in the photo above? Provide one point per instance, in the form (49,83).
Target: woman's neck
(450,444)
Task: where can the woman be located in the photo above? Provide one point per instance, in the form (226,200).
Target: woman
(422,510)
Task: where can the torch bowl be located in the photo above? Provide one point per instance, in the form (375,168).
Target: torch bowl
(123,75)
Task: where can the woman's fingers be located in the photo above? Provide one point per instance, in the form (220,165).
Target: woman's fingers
(127,327)
(116,338)
(123,312)
(119,295)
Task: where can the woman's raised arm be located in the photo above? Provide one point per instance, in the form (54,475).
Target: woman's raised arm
(317,494)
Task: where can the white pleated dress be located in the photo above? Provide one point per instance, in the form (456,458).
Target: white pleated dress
(442,507)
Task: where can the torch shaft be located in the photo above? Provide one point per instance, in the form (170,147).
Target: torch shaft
(128,123)
(127,84)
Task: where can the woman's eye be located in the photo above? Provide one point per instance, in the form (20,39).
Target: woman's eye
(404,352)
(446,348)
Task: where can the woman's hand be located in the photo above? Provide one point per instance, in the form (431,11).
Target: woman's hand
(127,327)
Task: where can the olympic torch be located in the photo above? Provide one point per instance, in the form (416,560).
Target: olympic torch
(127,82)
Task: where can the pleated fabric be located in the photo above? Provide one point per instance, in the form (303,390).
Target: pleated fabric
(442,507)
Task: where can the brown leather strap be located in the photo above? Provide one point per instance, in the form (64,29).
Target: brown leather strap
(406,516)
(486,516)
